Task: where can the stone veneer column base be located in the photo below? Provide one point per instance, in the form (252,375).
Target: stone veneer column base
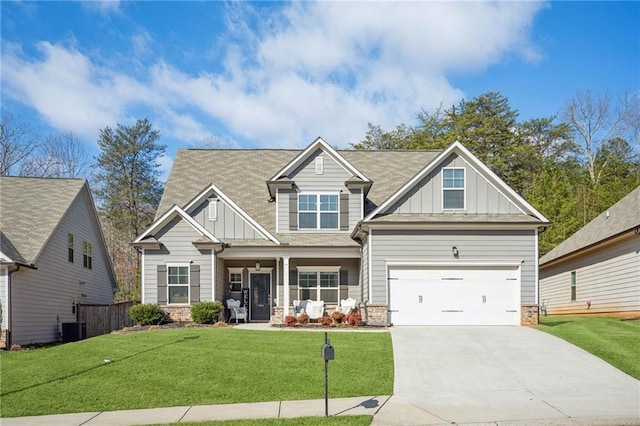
(529,314)
(375,314)
(278,315)
(3,339)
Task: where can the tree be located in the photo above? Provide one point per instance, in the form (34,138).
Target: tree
(17,142)
(128,187)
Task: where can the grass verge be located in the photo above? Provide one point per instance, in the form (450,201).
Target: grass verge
(307,421)
(608,338)
(191,367)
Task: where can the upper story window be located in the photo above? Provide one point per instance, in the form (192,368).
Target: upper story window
(453,186)
(178,284)
(70,247)
(87,255)
(318,211)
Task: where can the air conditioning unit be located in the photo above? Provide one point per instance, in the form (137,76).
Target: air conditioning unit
(74,331)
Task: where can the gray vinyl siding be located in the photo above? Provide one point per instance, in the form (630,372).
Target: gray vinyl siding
(435,246)
(42,299)
(176,239)
(332,180)
(480,196)
(228,223)
(608,277)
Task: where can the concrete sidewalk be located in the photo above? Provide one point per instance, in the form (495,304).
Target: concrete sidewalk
(367,405)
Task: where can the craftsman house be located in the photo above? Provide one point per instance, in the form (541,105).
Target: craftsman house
(52,257)
(416,237)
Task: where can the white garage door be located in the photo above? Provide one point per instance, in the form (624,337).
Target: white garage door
(470,295)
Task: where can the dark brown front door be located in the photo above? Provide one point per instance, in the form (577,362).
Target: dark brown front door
(260,285)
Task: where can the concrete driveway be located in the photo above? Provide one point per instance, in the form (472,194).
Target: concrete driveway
(503,375)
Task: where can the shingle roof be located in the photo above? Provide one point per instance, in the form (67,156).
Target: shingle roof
(619,218)
(242,176)
(30,209)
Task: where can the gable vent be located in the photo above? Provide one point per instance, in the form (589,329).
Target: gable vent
(319,165)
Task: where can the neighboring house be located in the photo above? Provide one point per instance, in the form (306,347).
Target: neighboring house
(52,256)
(416,237)
(597,269)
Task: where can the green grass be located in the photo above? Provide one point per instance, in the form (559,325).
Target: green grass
(609,338)
(307,421)
(191,367)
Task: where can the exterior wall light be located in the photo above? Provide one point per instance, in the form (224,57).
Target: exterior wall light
(455,252)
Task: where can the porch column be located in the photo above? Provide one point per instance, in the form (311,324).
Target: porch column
(285,272)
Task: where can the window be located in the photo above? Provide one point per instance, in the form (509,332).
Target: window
(178,284)
(70,247)
(235,279)
(573,285)
(318,211)
(87,255)
(453,188)
(318,284)
(213,208)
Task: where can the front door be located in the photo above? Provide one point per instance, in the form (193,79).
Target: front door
(260,285)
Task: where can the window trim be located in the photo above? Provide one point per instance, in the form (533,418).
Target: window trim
(87,255)
(319,165)
(319,212)
(70,248)
(236,271)
(188,285)
(463,189)
(573,281)
(318,270)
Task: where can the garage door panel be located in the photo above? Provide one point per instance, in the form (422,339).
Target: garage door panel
(454,296)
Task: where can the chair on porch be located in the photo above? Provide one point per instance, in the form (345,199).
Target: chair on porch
(299,307)
(315,310)
(346,305)
(236,311)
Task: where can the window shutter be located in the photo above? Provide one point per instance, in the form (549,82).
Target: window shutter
(194,282)
(344,283)
(162,284)
(293,211)
(293,277)
(344,212)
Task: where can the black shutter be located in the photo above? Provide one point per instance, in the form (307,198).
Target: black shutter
(344,212)
(293,211)
(194,282)
(162,284)
(293,277)
(344,283)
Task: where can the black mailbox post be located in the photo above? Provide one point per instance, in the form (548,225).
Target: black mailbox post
(328,354)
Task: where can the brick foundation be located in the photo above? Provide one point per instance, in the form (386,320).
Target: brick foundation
(529,314)
(177,313)
(375,314)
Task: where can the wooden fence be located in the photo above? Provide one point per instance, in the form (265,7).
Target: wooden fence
(103,319)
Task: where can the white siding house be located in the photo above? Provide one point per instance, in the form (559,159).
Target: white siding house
(52,257)
(596,270)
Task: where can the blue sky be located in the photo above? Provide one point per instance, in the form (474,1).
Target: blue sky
(277,74)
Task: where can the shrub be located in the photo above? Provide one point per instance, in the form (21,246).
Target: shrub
(290,321)
(146,314)
(338,317)
(206,312)
(326,321)
(303,318)
(354,318)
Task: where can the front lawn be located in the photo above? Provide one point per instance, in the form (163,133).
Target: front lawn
(609,338)
(307,421)
(191,367)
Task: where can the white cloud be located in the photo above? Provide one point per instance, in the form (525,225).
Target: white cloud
(311,69)
(103,7)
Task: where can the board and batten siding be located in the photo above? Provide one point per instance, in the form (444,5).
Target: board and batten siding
(228,225)
(480,196)
(365,269)
(513,246)
(608,277)
(176,239)
(42,299)
(307,181)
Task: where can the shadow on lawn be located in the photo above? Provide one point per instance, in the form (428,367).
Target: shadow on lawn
(554,323)
(110,362)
